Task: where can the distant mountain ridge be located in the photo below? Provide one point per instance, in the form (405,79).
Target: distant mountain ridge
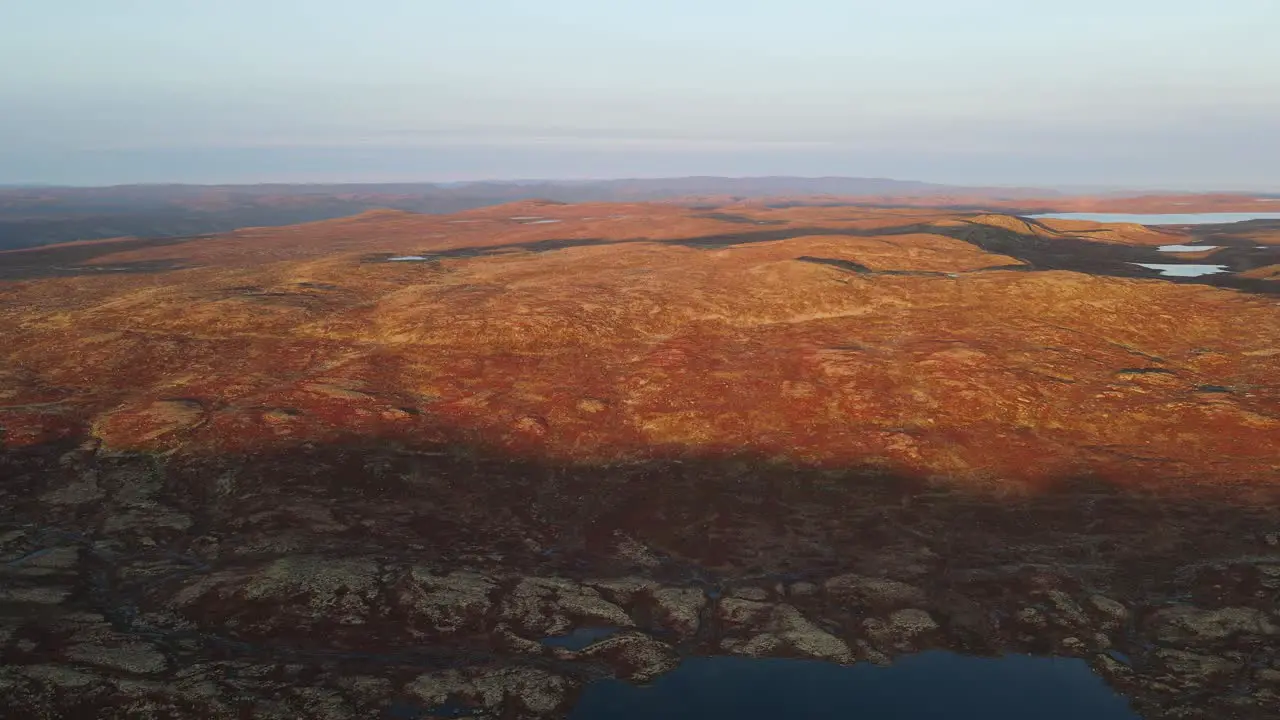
(42,215)
(32,216)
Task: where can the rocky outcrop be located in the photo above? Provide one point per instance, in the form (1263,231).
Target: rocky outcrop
(903,631)
(526,692)
(445,603)
(873,593)
(634,657)
(762,629)
(1191,626)
(550,606)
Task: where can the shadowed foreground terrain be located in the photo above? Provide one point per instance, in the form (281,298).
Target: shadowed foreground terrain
(363,467)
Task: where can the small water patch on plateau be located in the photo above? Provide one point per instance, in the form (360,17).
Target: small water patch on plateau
(1187,248)
(1209,218)
(927,686)
(580,638)
(1186,270)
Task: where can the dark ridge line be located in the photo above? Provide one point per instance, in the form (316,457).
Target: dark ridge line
(1060,252)
(864,270)
(742,219)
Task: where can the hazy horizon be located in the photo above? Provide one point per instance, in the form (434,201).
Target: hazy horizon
(1139,94)
(1065,189)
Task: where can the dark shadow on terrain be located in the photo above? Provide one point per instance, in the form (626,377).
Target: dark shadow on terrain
(1239,244)
(1080,254)
(957,207)
(712,514)
(724,240)
(66,260)
(715,522)
(535,246)
(864,270)
(716,241)
(728,217)
(1076,254)
(160,218)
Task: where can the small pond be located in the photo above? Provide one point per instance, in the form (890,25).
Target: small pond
(1184,269)
(927,686)
(580,638)
(1162,218)
(1187,248)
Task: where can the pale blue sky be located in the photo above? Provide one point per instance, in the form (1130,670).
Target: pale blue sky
(1165,93)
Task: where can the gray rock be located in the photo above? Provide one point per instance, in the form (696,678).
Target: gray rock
(1066,612)
(1269,576)
(622,591)
(902,631)
(1073,645)
(367,689)
(1032,617)
(549,606)
(60,676)
(323,704)
(146,521)
(340,590)
(79,492)
(881,593)
(138,658)
(514,643)
(774,628)
(735,612)
(751,593)
(807,638)
(1110,667)
(1113,613)
(447,603)
(1191,668)
(802,589)
(499,690)
(912,622)
(635,657)
(636,552)
(680,609)
(762,645)
(1188,624)
(41,595)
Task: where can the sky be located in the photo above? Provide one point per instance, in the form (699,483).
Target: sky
(1111,93)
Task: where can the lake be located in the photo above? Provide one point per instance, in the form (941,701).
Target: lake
(580,638)
(1184,269)
(1187,248)
(927,686)
(1162,218)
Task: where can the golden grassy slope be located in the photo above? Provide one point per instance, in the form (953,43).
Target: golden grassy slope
(602,352)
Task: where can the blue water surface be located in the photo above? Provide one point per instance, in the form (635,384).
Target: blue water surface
(927,686)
